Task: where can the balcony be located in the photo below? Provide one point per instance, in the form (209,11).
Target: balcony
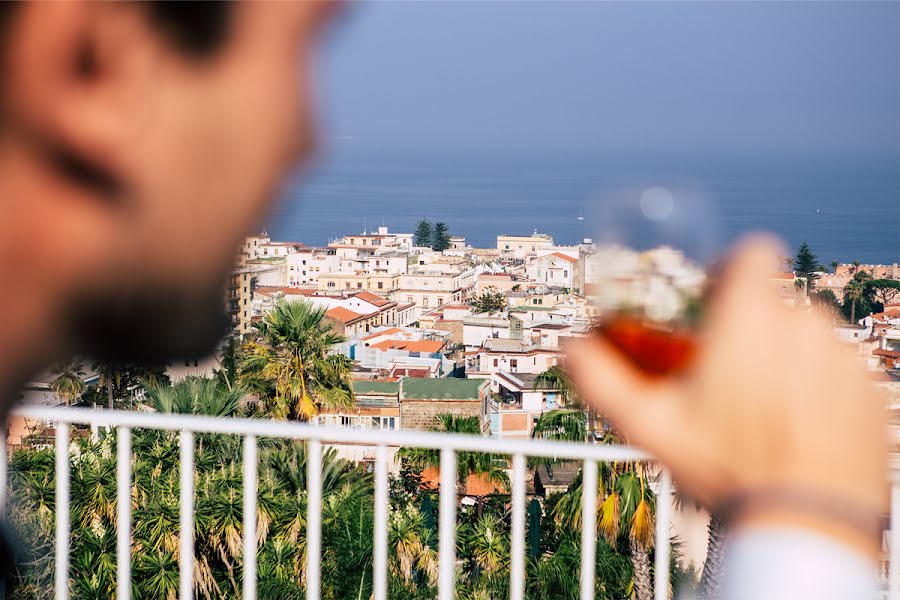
(187,426)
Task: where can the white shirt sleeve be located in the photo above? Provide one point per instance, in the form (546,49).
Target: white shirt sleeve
(789,564)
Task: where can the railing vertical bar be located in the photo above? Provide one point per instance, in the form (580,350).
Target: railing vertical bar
(186,518)
(123,514)
(250,494)
(313,520)
(894,565)
(447,526)
(4,460)
(663,519)
(588,528)
(62,510)
(517,546)
(382,514)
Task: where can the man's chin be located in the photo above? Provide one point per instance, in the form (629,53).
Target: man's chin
(148,328)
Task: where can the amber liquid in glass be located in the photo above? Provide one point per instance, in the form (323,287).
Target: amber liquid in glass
(656,350)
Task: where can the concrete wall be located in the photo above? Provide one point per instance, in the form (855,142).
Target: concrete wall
(422,415)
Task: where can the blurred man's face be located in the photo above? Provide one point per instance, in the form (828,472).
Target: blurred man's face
(190,150)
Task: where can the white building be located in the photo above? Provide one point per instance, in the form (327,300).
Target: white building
(520,246)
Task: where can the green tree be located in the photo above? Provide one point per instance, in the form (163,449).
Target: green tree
(853,293)
(291,365)
(423,235)
(195,396)
(806,265)
(69,381)
(834,265)
(884,291)
(489,300)
(440,237)
(112,378)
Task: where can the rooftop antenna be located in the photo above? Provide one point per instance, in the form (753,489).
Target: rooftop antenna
(365,226)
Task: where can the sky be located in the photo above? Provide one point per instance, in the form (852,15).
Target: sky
(797,78)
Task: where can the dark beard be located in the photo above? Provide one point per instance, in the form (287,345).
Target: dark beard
(148,326)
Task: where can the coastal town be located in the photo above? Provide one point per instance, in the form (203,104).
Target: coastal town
(423,332)
(432,325)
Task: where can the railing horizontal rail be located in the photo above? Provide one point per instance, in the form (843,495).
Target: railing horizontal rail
(187,426)
(290,429)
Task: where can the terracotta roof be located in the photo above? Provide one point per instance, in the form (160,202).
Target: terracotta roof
(427,346)
(373,298)
(390,331)
(783,275)
(477,484)
(287,291)
(564,256)
(410,372)
(344,315)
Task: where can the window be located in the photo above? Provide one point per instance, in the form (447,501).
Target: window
(565,273)
(506,247)
(195,364)
(440,301)
(187,363)
(331,284)
(358,285)
(495,362)
(425,302)
(513,364)
(409,299)
(380,285)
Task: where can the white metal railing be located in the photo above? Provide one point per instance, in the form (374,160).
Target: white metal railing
(251,429)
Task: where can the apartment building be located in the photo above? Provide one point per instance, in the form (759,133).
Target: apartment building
(519,403)
(521,246)
(239,296)
(512,356)
(557,269)
(426,291)
(306,265)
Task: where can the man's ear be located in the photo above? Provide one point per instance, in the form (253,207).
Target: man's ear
(72,68)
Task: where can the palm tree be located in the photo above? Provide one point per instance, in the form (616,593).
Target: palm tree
(290,363)
(834,265)
(561,425)
(554,378)
(856,266)
(491,466)
(111,377)
(853,291)
(625,515)
(196,396)
(69,382)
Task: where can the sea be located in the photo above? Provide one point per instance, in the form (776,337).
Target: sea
(846,209)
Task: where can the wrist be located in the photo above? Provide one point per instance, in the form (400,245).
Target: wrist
(843,519)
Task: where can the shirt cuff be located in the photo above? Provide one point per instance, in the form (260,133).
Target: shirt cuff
(782,563)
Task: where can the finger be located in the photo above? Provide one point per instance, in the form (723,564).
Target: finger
(640,408)
(745,284)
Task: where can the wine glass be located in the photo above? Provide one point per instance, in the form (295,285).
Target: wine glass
(646,280)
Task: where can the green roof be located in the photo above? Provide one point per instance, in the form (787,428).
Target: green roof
(450,388)
(527,308)
(375,387)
